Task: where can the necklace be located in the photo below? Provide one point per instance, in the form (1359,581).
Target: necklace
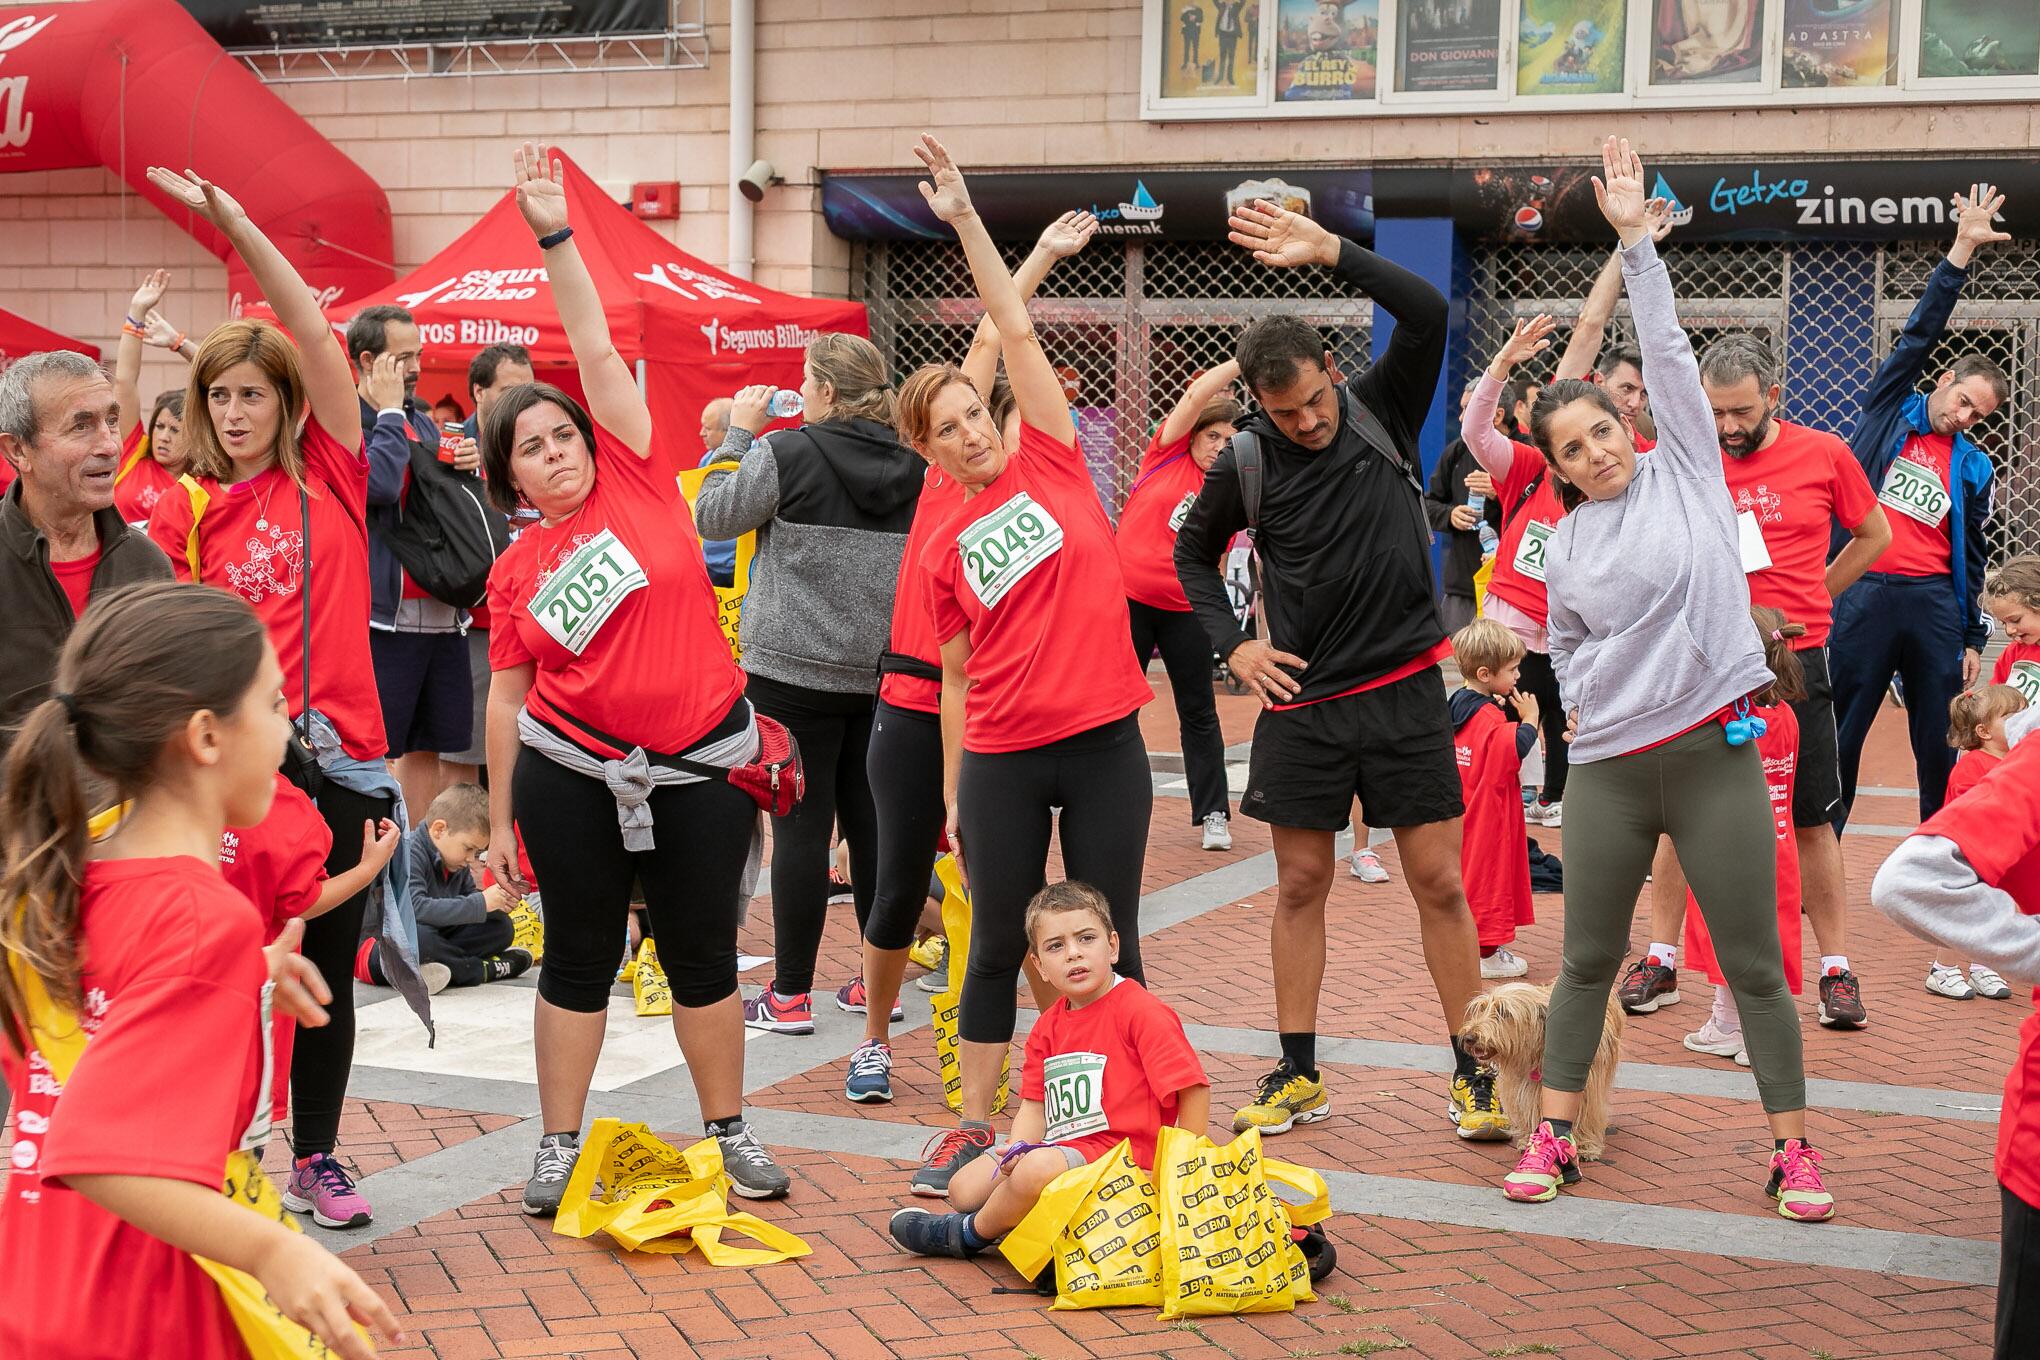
(261,507)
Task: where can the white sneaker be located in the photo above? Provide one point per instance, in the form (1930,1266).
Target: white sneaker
(1542,813)
(1988,984)
(1217,831)
(1504,964)
(1946,979)
(1367,867)
(435,976)
(1711,1038)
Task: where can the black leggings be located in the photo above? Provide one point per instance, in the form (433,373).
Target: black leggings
(321,1058)
(2018,1295)
(905,768)
(834,732)
(1186,655)
(1542,682)
(1007,806)
(692,880)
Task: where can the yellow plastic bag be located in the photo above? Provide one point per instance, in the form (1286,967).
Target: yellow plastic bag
(1227,1243)
(648,985)
(729,599)
(1480,585)
(1101,1224)
(650,1196)
(528,929)
(948,1003)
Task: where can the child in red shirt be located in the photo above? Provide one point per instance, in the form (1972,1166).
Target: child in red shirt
(2011,596)
(1494,851)
(1107,1063)
(1976,727)
(135,994)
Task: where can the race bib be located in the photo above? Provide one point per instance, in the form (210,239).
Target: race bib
(2025,678)
(1530,550)
(585,590)
(1756,554)
(1005,545)
(1915,490)
(1073,1097)
(1181,513)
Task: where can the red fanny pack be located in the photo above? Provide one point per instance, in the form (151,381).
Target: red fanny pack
(773,777)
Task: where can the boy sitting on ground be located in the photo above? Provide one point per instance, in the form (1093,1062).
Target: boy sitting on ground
(467,929)
(1107,1062)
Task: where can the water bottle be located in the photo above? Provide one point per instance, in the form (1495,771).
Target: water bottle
(1488,538)
(785,402)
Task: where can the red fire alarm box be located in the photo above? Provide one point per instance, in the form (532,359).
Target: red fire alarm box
(656,198)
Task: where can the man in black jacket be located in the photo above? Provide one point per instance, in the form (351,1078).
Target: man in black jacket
(1353,701)
(1448,507)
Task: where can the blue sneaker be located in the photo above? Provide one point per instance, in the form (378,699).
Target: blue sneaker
(926,1234)
(870,1073)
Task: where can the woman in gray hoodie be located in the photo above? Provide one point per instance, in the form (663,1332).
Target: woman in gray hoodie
(1655,658)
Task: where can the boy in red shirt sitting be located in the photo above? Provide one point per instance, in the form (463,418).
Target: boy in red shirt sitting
(1107,1062)
(1494,853)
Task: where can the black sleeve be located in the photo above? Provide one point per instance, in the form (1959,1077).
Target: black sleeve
(1526,739)
(1399,386)
(1215,517)
(1438,500)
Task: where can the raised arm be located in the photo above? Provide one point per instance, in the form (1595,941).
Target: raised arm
(1061,239)
(1590,332)
(127,356)
(1203,388)
(1037,390)
(613,397)
(329,380)
(1975,225)
(1493,450)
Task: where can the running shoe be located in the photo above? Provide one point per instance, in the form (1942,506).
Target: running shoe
(752,1172)
(1796,1184)
(321,1187)
(934,982)
(870,1073)
(778,1014)
(1366,866)
(1841,1001)
(948,1153)
(1948,979)
(1217,831)
(1548,1162)
(1286,1098)
(1648,985)
(511,963)
(1475,1110)
(436,977)
(850,997)
(929,1234)
(550,1170)
(1988,984)
(1504,963)
(1545,814)
(1722,1043)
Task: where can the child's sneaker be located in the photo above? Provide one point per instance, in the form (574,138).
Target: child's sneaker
(1647,986)
(1796,1184)
(1550,1161)
(1217,831)
(929,1234)
(1366,866)
(1504,963)
(511,963)
(948,1153)
(321,1187)
(1988,984)
(870,1073)
(1722,1043)
(851,997)
(1947,979)
(1542,813)
(437,977)
(1286,1098)
(1476,1111)
(778,1014)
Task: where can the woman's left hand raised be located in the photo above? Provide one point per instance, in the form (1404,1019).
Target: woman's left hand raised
(1619,191)
(199,194)
(947,197)
(541,189)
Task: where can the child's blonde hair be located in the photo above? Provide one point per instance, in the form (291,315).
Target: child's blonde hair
(1788,677)
(1067,896)
(1485,645)
(1973,708)
(2018,579)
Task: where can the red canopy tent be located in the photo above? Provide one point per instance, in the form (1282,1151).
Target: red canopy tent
(19,336)
(695,332)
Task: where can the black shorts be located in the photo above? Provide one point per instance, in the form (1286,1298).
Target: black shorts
(427,695)
(1392,746)
(1817,786)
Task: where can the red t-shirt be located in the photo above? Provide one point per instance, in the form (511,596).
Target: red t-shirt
(1792,489)
(251,541)
(1970,768)
(1029,565)
(141,480)
(2018,665)
(1519,553)
(913,632)
(1997,826)
(1779,747)
(280,866)
(1168,482)
(1494,851)
(166,1087)
(75,577)
(1117,1066)
(1916,500)
(655,670)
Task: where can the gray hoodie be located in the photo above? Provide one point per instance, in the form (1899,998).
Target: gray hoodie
(1650,610)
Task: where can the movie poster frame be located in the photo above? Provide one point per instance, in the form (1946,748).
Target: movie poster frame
(1912,25)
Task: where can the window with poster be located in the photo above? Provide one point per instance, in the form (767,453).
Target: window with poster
(1346,58)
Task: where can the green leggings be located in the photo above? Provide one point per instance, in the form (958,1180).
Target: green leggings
(1711,799)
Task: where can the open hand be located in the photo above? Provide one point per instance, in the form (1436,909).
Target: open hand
(321,1293)
(1262,670)
(541,188)
(200,195)
(154,284)
(1619,190)
(947,196)
(1279,238)
(1976,216)
(383,383)
(158,332)
(1068,234)
(1659,213)
(300,992)
(379,841)
(1530,337)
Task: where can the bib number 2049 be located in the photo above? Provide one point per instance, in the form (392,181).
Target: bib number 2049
(1000,549)
(586,589)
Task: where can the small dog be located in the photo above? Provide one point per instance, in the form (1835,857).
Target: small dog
(1505,1027)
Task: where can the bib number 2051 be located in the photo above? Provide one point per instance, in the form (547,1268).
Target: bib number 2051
(1000,549)
(586,589)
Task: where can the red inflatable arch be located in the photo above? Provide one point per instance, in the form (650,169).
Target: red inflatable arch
(132,83)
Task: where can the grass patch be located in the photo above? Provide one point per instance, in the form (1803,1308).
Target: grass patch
(1186,1325)
(1341,1302)
(1373,1347)
(1527,1348)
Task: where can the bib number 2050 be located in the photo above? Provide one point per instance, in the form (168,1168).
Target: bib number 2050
(1073,1095)
(586,589)
(1000,549)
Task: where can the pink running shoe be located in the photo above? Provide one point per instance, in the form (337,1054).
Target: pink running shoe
(1796,1184)
(778,1014)
(1548,1162)
(850,997)
(321,1187)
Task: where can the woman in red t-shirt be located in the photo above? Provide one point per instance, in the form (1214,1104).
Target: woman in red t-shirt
(614,712)
(1038,699)
(151,459)
(273,433)
(1183,446)
(123,1138)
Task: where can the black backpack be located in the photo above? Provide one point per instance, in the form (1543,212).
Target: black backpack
(443,529)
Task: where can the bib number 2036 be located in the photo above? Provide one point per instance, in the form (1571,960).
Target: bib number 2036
(586,589)
(1000,549)
(1914,489)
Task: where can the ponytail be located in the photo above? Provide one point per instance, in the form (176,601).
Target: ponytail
(44,811)
(1976,708)
(1788,677)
